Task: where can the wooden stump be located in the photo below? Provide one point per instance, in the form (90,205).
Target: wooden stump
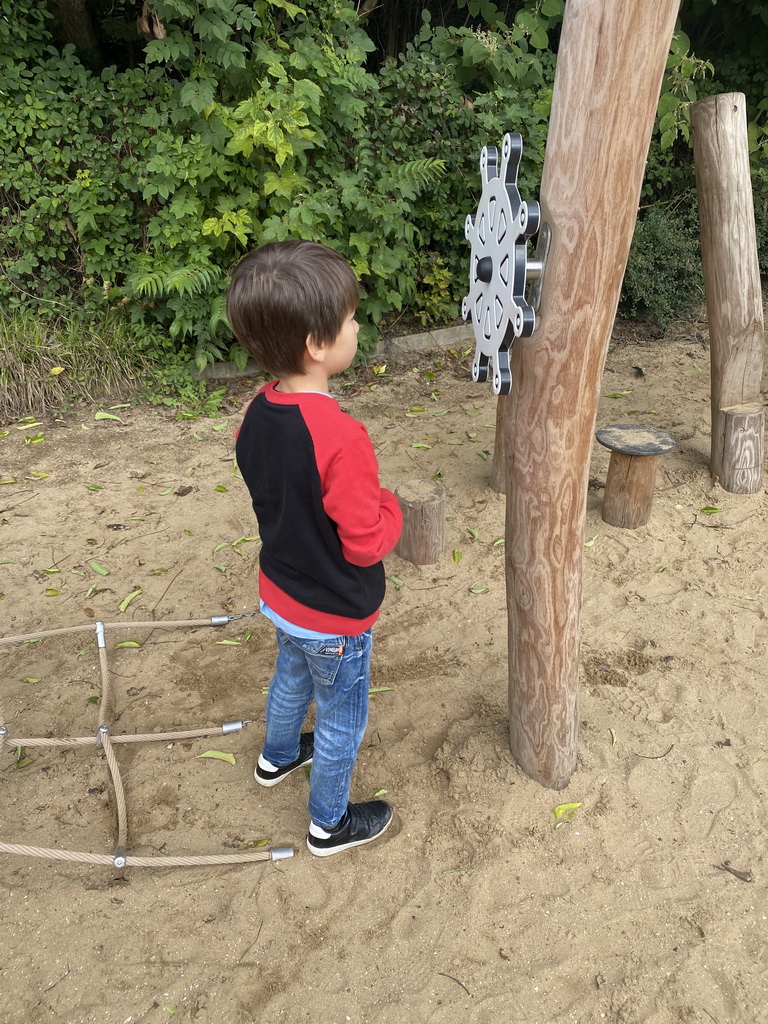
(635,454)
(423,537)
(743,448)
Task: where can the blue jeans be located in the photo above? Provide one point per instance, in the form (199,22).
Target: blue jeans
(335,673)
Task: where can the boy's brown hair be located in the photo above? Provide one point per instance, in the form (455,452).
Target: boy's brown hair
(285,292)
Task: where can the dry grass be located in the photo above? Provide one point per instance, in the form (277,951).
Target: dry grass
(49,363)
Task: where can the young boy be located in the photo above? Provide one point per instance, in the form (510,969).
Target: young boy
(325,525)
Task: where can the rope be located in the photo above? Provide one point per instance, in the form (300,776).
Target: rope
(84,741)
(105,740)
(114,625)
(146,862)
(117,782)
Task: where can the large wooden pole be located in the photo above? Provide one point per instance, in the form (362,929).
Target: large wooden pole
(732,286)
(609,69)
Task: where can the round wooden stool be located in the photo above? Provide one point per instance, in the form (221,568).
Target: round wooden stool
(635,453)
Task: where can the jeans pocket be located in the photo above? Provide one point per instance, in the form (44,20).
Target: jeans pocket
(325,663)
(323,657)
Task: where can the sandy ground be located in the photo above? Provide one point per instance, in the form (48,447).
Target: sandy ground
(475,908)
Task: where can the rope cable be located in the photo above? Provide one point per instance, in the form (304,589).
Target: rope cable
(103,738)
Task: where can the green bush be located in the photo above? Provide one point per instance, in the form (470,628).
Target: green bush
(663,280)
(134,189)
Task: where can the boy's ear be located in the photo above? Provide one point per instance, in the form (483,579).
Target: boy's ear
(315,350)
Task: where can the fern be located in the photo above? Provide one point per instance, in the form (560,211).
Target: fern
(150,286)
(191,280)
(218,314)
(419,172)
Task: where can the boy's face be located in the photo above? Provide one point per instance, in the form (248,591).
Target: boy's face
(342,351)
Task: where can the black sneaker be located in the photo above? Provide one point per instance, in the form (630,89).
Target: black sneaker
(362,823)
(267,774)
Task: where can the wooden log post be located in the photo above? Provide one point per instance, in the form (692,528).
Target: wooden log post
(732,287)
(498,479)
(609,69)
(423,537)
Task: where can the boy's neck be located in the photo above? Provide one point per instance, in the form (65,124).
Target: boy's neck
(314,380)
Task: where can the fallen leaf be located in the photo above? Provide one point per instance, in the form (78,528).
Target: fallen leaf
(254,844)
(564,813)
(106,416)
(219,755)
(127,643)
(127,600)
(97,567)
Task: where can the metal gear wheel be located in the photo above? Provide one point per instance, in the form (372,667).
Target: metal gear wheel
(498,233)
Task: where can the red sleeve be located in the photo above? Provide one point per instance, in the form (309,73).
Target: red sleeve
(367,516)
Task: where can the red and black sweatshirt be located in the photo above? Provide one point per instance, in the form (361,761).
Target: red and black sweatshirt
(325,522)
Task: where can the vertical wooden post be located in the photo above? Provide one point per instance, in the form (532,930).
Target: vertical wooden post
(498,480)
(609,69)
(732,286)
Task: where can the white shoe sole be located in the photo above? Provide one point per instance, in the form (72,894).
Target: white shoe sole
(268,783)
(347,846)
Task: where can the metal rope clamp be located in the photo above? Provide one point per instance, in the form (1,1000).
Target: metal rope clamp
(499,266)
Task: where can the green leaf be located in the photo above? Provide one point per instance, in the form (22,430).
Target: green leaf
(395,580)
(380,689)
(50,592)
(219,755)
(221,489)
(457,557)
(477,588)
(106,416)
(472,533)
(228,643)
(127,643)
(131,597)
(564,813)
(97,567)
(422,447)
(709,510)
(31,679)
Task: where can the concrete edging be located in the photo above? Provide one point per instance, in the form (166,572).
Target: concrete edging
(389,348)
